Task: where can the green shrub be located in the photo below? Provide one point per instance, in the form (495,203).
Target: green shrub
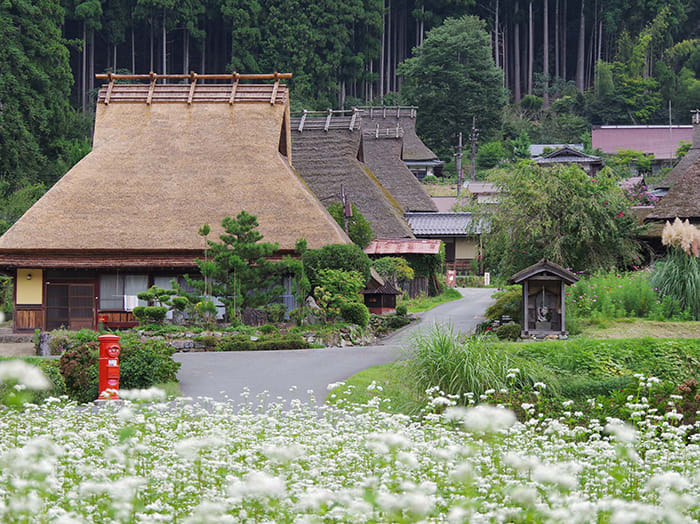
(50,368)
(397,321)
(586,387)
(150,314)
(276,312)
(395,269)
(145,363)
(508,331)
(508,302)
(347,257)
(62,339)
(208,341)
(470,281)
(263,343)
(489,155)
(142,364)
(401,310)
(430,179)
(355,313)
(359,228)
(78,366)
(268,329)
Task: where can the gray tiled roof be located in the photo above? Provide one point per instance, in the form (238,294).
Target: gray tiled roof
(442,224)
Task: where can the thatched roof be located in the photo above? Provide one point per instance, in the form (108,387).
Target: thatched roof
(158,171)
(683,197)
(327,159)
(413,147)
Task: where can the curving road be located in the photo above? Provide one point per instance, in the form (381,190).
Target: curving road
(291,374)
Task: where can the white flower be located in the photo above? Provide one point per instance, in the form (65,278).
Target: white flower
(283,454)
(26,374)
(622,432)
(463,473)
(152,394)
(258,485)
(334,385)
(482,418)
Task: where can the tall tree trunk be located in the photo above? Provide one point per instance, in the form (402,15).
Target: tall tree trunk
(370,83)
(388,49)
(114,61)
(165,48)
(152,45)
(91,76)
(507,68)
(564,37)
(133,50)
(422,25)
(186,52)
(530,47)
(600,41)
(382,60)
(516,57)
(83,83)
(557,71)
(545,55)
(204,49)
(498,38)
(580,57)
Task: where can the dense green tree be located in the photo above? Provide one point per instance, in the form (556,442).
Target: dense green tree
(237,268)
(37,125)
(562,214)
(453,77)
(359,228)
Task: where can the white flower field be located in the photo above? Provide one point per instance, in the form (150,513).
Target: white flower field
(151,460)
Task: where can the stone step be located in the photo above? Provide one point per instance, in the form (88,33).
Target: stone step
(16,338)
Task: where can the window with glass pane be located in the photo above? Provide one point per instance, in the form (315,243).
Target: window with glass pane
(135,284)
(112,292)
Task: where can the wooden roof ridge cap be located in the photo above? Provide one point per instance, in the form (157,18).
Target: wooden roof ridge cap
(543,265)
(195,76)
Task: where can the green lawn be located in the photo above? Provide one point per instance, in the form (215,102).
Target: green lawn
(423,303)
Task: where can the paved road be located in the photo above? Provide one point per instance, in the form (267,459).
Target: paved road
(290,374)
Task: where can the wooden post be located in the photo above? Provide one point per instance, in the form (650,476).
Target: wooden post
(193,85)
(152,76)
(563,307)
(109,88)
(525,306)
(234,86)
(458,157)
(354,117)
(302,120)
(273,98)
(328,120)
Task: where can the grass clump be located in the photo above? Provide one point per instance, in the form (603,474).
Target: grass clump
(461,365)
(424,303)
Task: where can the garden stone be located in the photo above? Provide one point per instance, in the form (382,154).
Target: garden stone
(182,344)
(44,350)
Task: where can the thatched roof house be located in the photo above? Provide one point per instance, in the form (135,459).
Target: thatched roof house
(327,152)
(166,159)
(683,197)
(381,147)
(418,157)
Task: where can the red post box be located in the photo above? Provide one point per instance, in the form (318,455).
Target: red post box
(109,366)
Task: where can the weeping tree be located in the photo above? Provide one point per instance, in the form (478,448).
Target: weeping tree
(561,214)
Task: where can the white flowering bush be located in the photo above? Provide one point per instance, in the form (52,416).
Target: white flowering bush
(149,460)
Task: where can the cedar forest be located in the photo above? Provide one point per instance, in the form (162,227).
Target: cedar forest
(565,63)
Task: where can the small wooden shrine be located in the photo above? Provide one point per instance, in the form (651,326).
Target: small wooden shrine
(544,294)
(380,295)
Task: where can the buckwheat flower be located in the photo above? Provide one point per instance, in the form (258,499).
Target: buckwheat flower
(208,512)
(525,496)
(463,473)
(334,385)
(125,414)
(407,459)
(152,394)
(623,433)
(482,418)
(284,454)
(668,481)
(258,485)
(556,474)
(539,385)
(441,401)
(22,373)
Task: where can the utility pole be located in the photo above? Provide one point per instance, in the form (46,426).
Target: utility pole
(475,134)
(458,157)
